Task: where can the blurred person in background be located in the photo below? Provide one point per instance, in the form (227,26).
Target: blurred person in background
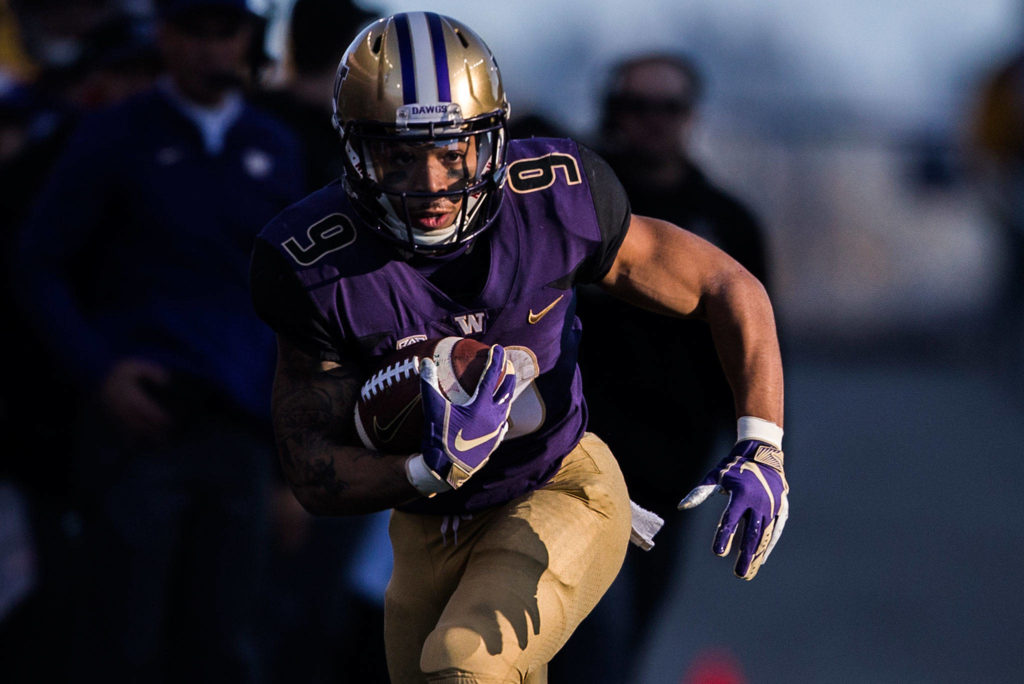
(132,266)
(15,63)
(51,32)
(318,33)
(326,616)
(665,420)
(114,58)
(75,57)
(996,129)
(53,62)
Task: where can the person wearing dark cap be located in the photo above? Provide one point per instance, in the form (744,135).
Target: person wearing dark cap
(119,59)
(210,41)
(318,33)
(133,266)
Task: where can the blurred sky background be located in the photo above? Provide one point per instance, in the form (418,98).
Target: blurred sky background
(897,64)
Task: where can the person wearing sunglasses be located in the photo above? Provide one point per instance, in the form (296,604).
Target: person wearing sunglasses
(677,394)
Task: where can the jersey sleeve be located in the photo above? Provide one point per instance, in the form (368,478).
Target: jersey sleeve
(283,304)
(613,215)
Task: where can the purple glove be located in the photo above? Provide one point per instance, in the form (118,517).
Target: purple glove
(752,477)
(459,438)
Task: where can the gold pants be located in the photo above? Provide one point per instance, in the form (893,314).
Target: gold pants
(492,598)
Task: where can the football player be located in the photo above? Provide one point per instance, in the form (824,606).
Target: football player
(505,532)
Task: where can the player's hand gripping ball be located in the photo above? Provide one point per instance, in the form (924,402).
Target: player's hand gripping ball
(459,437)
(752,476)
(389,413)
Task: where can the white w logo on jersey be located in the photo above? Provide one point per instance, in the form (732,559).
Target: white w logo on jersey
(471,323)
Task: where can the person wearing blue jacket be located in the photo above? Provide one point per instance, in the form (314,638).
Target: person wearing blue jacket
(133,266)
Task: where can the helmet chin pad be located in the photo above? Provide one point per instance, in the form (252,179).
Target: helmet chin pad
(431,238)
(407,233)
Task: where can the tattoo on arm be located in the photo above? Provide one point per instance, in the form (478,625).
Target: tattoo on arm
(313,422)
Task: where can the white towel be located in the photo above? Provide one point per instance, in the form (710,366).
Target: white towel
(645,525)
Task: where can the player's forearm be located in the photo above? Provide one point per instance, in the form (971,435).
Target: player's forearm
(672,271)
(345,480)
(329,478)
(742,324)
(315,432)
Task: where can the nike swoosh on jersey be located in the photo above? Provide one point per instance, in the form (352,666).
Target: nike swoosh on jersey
(532,318)
(465,445)
(386,433)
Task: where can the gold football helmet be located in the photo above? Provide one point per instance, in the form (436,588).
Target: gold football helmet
(413,90)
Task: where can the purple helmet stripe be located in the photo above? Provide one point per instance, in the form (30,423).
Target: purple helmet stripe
(444,89)
(405,54)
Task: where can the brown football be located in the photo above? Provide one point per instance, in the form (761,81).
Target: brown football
(389,414)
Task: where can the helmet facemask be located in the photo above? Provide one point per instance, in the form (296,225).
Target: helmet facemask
(385,178)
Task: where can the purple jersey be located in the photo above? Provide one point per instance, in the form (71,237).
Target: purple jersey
(368,300)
